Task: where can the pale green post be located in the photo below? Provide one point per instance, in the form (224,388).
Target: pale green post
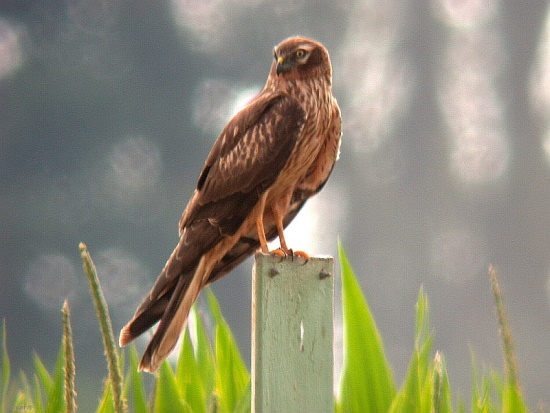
(292,354)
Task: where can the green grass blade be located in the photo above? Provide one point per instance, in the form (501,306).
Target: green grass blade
(56,394)
(25,391)
(441,389)
(409,398)
(232,377)
(22,402)
(423,333)
(461,408)
(491,385)
(481,397)
(37,394)
(415,394)
(512,401)
(42,374)
(204,353)
(106,404)
(5,370)
(437,382)
(139,400)
(188,376)
(505,331)
(366,383)
(168,398)
(244,405)
(115,373)
(70,392)
(205,359)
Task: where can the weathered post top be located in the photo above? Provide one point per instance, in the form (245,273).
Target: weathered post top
(292,334)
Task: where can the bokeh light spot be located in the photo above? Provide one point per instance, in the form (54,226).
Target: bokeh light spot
(11,48)
(479,159)
(546,145)
(123,280)
(465,12)
(457,255)
(318,224)
(51,279)
(540,86)
(242,98)
(135,164)
(540,76)
(204,20)
(216,102)
(378,80)
(472,108)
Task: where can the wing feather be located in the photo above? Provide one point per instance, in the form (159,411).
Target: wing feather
(246,159)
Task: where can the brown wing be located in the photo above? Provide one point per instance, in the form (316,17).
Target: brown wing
(246,159)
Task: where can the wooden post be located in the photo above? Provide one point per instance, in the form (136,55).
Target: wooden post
(292,315)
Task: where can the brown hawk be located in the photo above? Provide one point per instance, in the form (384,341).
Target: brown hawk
(274,154)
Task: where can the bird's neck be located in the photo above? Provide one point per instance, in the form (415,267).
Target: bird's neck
(298,87)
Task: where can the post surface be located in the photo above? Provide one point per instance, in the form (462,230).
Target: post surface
(292,334)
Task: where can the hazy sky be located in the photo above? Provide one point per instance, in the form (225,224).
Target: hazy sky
(109,108)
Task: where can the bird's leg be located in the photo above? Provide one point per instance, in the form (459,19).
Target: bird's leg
(260,225)
(284,250)
(281,233)
(261,233)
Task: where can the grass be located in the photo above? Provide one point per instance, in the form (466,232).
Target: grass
(210,375)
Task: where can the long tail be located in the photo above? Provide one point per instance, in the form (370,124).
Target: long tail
(169,301)
(175,316)
(173,295)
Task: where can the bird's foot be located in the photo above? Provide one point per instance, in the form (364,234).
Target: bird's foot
(283,254)
(301,254)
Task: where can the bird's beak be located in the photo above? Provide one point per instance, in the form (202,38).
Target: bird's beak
(283,66)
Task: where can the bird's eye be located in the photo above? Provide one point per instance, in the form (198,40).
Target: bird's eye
(275,54)
(300,54)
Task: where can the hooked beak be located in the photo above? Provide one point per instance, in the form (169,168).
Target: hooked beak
(283,66)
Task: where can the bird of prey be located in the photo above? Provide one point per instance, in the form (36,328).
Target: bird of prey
(272,156)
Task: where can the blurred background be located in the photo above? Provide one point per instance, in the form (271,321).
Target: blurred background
(109,108)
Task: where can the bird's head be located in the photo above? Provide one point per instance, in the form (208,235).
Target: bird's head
(299,58)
